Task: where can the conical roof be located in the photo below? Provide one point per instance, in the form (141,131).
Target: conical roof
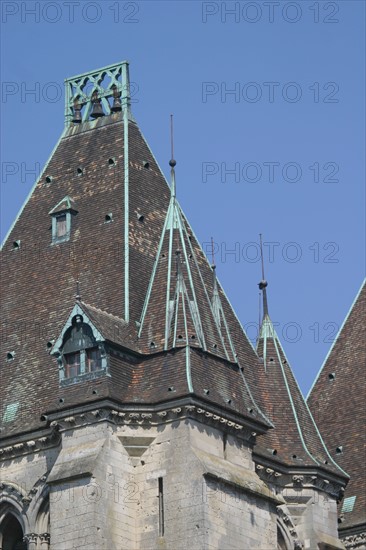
(337,401)
(296,440)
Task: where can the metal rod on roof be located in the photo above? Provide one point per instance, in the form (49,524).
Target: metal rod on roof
(213,253)
(263,284)
(172,162)
(126,111)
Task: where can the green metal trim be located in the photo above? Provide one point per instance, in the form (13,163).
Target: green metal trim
(170,225)
(81,87)
(188,369)
(66,237)
(269,332)
(152,278)
(10,412)
(126,102)
(76,310)
(71,205)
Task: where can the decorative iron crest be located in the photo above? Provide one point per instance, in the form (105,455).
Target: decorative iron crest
(88,94)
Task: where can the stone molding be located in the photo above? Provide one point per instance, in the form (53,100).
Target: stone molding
(299,480)
(354,541)
(31,446)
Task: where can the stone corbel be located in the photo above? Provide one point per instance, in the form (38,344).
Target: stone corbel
(45,541)
(31,539)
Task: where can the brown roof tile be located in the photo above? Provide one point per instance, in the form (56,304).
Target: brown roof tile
(337,401)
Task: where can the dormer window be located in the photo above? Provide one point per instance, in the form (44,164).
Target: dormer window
(80,350)
(61,220)
(61,227)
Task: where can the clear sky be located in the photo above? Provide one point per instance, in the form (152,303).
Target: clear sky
(268,100)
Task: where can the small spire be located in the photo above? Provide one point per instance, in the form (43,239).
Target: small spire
(263,284)
(213,264)
(172,162)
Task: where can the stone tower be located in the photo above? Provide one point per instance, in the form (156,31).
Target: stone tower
(135,412)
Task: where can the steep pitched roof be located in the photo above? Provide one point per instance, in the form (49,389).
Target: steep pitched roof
(39,280)
(178,308)
(337,400)
(295,441)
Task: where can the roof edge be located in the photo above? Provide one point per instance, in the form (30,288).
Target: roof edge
(336,338)
(32,190)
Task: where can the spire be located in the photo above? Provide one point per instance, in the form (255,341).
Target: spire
(188,314)
(263,284)
(292,418)
(172,162)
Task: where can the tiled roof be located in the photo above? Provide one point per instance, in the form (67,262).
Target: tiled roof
(182,339)
(337,400)
(295,439)
(39,283)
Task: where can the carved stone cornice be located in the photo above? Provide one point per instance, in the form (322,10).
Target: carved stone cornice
(283,477)
(269,475)
(152,417)
(33,445)
(30,538)
(354,541)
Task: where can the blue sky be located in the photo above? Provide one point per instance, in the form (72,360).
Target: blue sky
(268,101)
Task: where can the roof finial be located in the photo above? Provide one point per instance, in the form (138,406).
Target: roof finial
(263,284)
(172,162)
(213,264)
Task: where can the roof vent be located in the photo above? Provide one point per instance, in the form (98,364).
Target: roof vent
(214,346)
(271,359)
(146,164)
(10,355)
(48,179)
(250,411)
(206,391)
(111,161)
(228,401)
(79,171)
(348,504)
(50,344)
(108,217)
(16,245)
(152,345)
(325,461)
(61,400)
(274,451)
(331,376)
(294,457)
(94,392)
(140,218)
(193,337)
(180,337)
(171,388)
(339,450)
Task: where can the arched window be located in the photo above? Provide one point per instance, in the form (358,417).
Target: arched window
(80,352)
(12,534)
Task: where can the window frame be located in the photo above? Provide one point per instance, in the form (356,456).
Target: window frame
(66,236)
